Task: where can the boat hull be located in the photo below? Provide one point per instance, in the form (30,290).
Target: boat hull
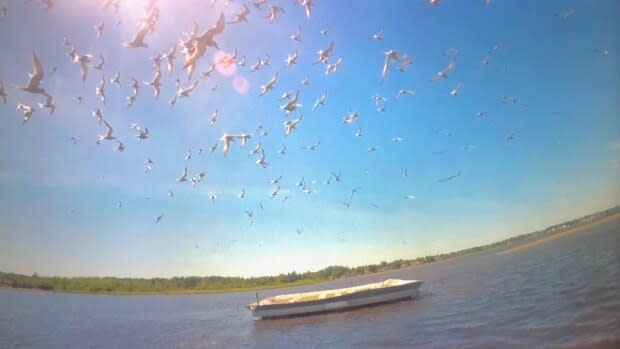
(355,300)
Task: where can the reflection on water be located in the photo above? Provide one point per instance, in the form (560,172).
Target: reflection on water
(563,293)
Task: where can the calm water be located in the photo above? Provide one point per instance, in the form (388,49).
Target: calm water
(561,294)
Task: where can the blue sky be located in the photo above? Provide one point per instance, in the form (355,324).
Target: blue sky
(59,214)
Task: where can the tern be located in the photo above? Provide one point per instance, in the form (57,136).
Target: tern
(116,80)
(213,147)
(83,60)
(306,81)
(78,100)
(208,72)
(100,64)
(325,55)
(331,68)
(307,4)
(184,92)
(292,59)
(444,73)
(351,117)
(404,92)
(109,135)
(3,94)
(406,63)
(321,101)
(258,147)
(261,161)
(282,150)
(99,115)
(390,56)
(409,196)
(397,139)
(269,85)
(213,118)
(100,90)
(138,39)
(156,84)
(135,85)
(227,139)
(324,32)
(358,133)
(313,146)
(159,218)
(296,35)
(188,155)
(203,41)
(290,125)
(241,194)
(99,29)
(455,92)
(120,146)
(183,177)
(241,16)
(170,57)
(244,138)
(510,137)
(273,13)
(36,77)
(276,180)
(49,103)
(378,36)
(27,110)
(292,104)
(275,192)
(172,102)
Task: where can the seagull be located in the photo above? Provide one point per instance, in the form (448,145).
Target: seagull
(99,29)
(188,155)
(256,149)
(444,73)
(170,193)
(135,85)
(305,81)
(108,135)
(292,59)
(183,177)
(282,150)
(324,55)
(292,104)
(49,103)
(301,183)
(389,57)
(378,36)
(213,118)
(321,101)
(275,180)
(83,60)
(455,92)
(406,62)
(331,68)
(261,161)
(273,13)
(244,138)
(213,147)
(275,192)
(241,61)
(378,99)
(27,110)
(241,194)
(296,35)
(116,80)
(290,125)
(184,92)
(324,32)
(404,92)
(241,16)
(100,64)
(227,139)
(155,83)
(307,4)
(35,78)
(159,218)
(358,133)
(170,57)
(265,133)
(143,133)
(99,115)
(197,179)
(269,85)
(409,196)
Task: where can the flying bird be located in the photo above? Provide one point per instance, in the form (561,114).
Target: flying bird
(35,78)
(27,110)
(444,73)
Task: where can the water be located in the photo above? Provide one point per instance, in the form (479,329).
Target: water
(561,294)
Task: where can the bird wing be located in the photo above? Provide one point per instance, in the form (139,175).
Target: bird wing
(219,26)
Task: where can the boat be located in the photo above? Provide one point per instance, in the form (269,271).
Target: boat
(297,304)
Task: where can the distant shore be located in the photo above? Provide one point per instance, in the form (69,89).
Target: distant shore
(560,235)
(219,284)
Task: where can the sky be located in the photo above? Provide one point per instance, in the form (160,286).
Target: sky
(59,206)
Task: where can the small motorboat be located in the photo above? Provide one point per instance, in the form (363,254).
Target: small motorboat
(334,300)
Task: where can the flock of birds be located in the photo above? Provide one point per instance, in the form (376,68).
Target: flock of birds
(191,49)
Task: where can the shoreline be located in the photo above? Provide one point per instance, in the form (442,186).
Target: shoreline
(507,246)
(559,235)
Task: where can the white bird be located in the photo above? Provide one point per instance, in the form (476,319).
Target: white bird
(261,161)
(397,139)
(307,4)
(138,39)
(321,101)
(213,118)
(276,180)
(404,92)
(269,85)
(258,147)
(159,218)
(84,60)
(100,90)
(155,83)
(332,67)
(373,148)
(213,147)
(116,80)
(172,102)
(3,94)
(480,114)
(208,72)
(170,57)
(306,81)
(273,13)
(290,125)
(241,16)
(292,104)
(378,36)
(324,32)
(296,35)
(282,150)
(201,43)
(227,139)
(325,55)
(409,196)
(100,64)
(184,92)
(244,138)
(49,103)
(109,135)
(390,56)
(241,195)
(27,110)
(183,177)
(170,193)
(313,146)
(444,73)
(78,99)
(99,115)
(406,62)
(456,90)
(99,29)
(275,192)
(358,133)
(188,155)
(135,85)
(120,146)
(292,59)
(351,117)
(35,78)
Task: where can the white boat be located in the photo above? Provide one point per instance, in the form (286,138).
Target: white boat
(337,299)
